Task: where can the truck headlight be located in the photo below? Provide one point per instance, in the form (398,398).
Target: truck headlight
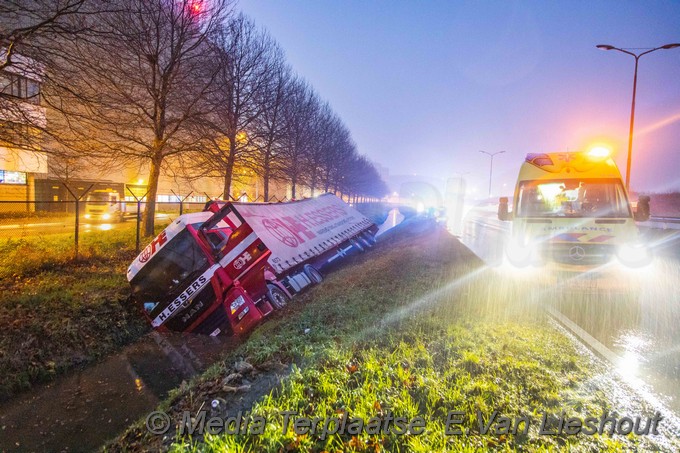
(236,303)
(636,255)
(106,216)
(87,216)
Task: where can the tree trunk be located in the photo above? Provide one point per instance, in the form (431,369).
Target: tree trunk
(229,170)
(313,182)
(292,188)
(150,210)
(265,177)
(265,184)
(228,177)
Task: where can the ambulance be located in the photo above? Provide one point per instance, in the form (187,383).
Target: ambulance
(572,210)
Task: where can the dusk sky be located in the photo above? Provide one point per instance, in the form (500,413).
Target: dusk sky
(424,85)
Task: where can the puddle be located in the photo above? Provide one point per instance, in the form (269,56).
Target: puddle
(394,218)
(82,410)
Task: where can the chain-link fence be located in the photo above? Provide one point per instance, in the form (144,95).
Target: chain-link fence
(96,217)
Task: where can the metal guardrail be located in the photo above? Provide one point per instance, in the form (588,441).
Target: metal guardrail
(661,223)
(665,219)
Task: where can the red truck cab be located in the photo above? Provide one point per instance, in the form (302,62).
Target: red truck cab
(210,272)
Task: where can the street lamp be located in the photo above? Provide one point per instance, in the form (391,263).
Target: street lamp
(491,155)
(632,107)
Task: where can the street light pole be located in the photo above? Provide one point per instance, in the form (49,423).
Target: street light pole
(491,155)
(632,106)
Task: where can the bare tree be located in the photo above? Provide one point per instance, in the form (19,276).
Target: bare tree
(299,113)
(28,29)
(136,88)
(336,164)
(244,61)
(363,180)
(24,22)
(269,128)
(331,137)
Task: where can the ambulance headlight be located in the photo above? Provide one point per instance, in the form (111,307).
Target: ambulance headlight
(236,303)
(106,216)
(518,254)
(634,255)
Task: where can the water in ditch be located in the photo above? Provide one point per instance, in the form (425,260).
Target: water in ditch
(83,409)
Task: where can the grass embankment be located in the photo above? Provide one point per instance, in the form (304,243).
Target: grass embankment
(413,328)
(56,312)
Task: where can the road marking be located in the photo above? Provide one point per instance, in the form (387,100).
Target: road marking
(585,337)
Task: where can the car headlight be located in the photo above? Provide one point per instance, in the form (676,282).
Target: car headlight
(636,255)
(236,303)
(106,216)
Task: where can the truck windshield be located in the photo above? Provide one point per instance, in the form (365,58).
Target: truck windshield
(98,198)
(170,270)
(572,198)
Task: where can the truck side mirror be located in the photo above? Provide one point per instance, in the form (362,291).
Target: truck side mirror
(642,211)
(503,213)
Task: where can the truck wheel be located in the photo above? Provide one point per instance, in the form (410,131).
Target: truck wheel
(366,243)
(276,296)
(356,245)
(369,238)
(313,274)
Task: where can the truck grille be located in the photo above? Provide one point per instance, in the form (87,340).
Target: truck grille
(199,305)
(216,319)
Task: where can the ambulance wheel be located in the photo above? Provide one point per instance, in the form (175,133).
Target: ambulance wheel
(276,296)
(313,274)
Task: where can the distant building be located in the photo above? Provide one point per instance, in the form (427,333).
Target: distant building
(28,174)
(20,161)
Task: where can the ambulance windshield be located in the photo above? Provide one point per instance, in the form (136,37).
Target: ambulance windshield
(572,198)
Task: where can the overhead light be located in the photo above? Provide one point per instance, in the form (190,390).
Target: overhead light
(599,152)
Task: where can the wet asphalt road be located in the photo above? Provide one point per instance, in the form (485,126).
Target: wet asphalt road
(634,313)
